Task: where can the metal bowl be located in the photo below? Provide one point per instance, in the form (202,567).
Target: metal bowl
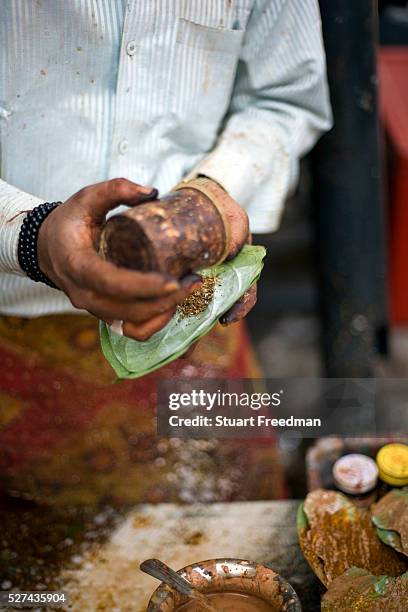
(230,575)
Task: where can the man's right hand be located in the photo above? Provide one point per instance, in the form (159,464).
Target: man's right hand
(67,254)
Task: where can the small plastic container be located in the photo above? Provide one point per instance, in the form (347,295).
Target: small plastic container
(356,475)
(392,462)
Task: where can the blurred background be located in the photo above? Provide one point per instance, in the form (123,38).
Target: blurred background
(333,298)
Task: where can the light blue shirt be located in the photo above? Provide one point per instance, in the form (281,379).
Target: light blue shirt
(153,91)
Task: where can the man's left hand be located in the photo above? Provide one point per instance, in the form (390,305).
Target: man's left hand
(240,235)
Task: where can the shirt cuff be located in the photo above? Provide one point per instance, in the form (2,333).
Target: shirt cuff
(256,171)
(13,204)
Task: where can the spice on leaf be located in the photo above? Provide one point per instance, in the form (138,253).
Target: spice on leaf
(233,278)
(195,303)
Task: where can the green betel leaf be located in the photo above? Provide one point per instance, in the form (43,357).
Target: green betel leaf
(302,521)
(390,516)
(109,353)
(132,359)
(357,589)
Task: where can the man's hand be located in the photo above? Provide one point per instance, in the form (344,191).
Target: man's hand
(241,308)
(239,235)
(67,253)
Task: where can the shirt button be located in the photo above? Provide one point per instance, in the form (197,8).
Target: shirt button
(131,48)
(123,146)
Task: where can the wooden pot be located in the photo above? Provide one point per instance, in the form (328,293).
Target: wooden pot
(188,229)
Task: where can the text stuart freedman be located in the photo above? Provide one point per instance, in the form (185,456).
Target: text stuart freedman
(259,420)
(196,401)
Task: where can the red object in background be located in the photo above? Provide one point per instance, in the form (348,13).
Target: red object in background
(393,72)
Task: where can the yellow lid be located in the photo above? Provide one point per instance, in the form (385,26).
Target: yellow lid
(392,461)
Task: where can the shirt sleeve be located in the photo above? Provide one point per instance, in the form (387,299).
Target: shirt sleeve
(13,204)
(279,107)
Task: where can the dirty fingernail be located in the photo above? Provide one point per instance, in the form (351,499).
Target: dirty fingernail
(150,191)
(171,286)
(192,279)
(228,318)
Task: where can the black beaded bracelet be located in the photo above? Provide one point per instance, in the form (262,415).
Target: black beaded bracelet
(27,242)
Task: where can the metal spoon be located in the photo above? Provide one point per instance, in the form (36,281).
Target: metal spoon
(163,572)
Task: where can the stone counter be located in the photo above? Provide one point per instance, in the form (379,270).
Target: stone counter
(109,577)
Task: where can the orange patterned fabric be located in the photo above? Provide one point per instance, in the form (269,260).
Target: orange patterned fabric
(68,434)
